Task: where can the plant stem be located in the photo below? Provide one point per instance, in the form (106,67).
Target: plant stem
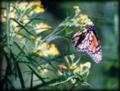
(8,23)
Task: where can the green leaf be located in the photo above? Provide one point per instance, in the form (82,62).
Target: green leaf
(17,45)
(22,26)
(31,82)
(18,70)
(36,73)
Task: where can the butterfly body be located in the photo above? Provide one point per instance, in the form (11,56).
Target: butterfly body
(87,41)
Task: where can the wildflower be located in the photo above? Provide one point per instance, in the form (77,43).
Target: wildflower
(46,53)
(39,68)
(45,70)
(19,36)
(16,29)
(42,69)
(79,19)
(54,50)
(12,14)
(62,66)
(82,19)
(46,50)
(12,11)
(25,19)
(51,50)
(38,8)
(11,7)
(73,81)
(31,13)
(45,45)
(13,23)
(41,27)
(72,67)
(82,67)
(22,5)
(85,20)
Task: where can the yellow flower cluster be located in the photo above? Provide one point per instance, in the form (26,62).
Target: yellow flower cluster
(22,5)
(46,50)
(38,8)
(79,19)
(42,69)
(41,27)
(23,17)
(82,67)
(82,19)
(76,68)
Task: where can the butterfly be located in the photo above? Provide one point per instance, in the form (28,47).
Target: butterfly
(87,41)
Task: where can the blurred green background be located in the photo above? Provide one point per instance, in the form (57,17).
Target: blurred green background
(105,17)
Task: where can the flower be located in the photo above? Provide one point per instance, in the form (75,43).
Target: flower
(46,50)
(17,29)
(79,19)
(12,11)
(82,19)
(62,66)
(25,19)
(22,5)
(41,27)
(12,14)
(13,23)
(38,8)
(82,67)
(11,7)
(19,36)
(53,50)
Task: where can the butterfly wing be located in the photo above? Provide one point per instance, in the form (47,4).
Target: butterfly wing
(94,48)
(87,41)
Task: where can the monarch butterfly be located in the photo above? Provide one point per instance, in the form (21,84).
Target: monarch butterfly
(87,41)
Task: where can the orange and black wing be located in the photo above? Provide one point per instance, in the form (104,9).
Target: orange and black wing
(87,41)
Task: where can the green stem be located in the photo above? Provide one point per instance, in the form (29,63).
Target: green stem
(8,23)
(54,33)
(61,82)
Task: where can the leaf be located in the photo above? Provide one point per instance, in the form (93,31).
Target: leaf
(19,47)
(46,84)
(31,82)
(36,73)
(22,26)
(20,76)
(18,71)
